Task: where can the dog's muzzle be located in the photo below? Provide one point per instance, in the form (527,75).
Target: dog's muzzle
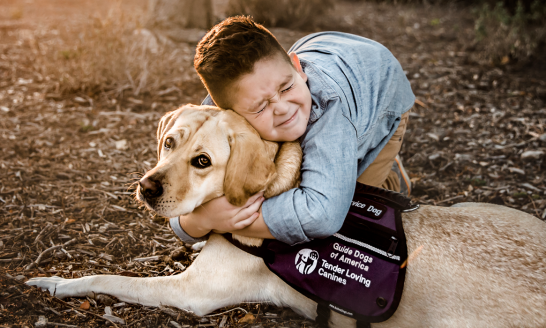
(150,188)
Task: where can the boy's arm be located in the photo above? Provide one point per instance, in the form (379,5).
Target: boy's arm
(217,214)
(257,229)
(334,156)
(189,231)
(318,208)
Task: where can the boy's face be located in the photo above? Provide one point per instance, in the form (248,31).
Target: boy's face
(274,98)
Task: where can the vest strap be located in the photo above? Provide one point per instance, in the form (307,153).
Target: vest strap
(362,324)
(261,251)
(323,315)
(389,197)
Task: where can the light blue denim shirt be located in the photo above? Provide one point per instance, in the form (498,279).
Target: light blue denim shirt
(359,92)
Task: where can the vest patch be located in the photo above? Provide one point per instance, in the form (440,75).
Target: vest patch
(368,208)
(306,261)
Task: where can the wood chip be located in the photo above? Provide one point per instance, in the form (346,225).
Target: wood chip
(113,318)
(149,258)
(85,305)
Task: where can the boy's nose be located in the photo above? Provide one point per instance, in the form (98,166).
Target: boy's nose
(281,108)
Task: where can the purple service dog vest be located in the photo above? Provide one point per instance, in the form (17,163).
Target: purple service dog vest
(357,271)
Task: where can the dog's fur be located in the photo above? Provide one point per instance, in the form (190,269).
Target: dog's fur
(481,265)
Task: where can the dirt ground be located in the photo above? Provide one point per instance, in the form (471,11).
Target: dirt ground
(70,157)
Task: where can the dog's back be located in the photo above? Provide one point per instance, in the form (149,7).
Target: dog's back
(479,264)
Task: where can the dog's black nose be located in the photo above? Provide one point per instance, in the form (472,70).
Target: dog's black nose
(150,188)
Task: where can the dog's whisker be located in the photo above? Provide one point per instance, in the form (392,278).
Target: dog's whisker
(132,184)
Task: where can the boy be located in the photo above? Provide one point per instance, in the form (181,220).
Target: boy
(344,97)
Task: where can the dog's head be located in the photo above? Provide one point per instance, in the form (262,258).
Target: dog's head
(203,153)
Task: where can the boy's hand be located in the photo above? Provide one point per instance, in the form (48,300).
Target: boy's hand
(218,214)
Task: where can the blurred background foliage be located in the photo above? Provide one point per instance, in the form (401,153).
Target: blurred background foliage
(504,30)
(145,52)
(112,53)
(301,14)
(510,28)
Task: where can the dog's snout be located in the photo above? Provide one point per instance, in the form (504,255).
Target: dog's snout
(150,188)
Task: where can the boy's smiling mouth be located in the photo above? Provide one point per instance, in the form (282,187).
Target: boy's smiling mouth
(291,119)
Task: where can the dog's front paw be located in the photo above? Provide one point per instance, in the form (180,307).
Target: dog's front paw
(57,286)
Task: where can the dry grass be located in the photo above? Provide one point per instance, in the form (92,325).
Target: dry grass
(111,54)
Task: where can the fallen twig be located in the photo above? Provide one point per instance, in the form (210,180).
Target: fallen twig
(39,258)
(237,308)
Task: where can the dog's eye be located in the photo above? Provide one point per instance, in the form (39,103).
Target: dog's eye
(201,162)
(169,143)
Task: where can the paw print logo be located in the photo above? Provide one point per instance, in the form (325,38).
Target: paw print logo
(306,261)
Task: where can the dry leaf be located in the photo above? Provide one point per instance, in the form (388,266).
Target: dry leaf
(248,318)
(85,305)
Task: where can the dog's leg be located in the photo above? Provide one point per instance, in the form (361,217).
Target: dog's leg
(146,291)
(222,275)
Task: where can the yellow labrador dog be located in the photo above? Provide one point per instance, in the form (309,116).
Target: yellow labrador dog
(481,265)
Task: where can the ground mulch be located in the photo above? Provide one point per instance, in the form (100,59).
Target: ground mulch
(69,159)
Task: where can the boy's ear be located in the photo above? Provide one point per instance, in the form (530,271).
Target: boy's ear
(297,65)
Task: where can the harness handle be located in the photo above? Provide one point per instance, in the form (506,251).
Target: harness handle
(412,208)
(391,198)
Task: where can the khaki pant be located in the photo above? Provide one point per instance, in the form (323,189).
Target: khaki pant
(379,173)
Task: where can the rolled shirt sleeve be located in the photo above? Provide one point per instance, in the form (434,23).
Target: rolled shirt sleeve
(208,101)
(318,207)
(180,233)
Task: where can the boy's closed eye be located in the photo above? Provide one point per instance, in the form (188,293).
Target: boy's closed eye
(288,89)
(267,102)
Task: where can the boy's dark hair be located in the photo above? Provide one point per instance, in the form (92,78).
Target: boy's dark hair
(229,50)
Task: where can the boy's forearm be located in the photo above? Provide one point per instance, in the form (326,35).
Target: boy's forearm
(191,226)
(258,229)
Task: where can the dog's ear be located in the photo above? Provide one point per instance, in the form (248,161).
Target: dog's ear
(165,124)
(250,166)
